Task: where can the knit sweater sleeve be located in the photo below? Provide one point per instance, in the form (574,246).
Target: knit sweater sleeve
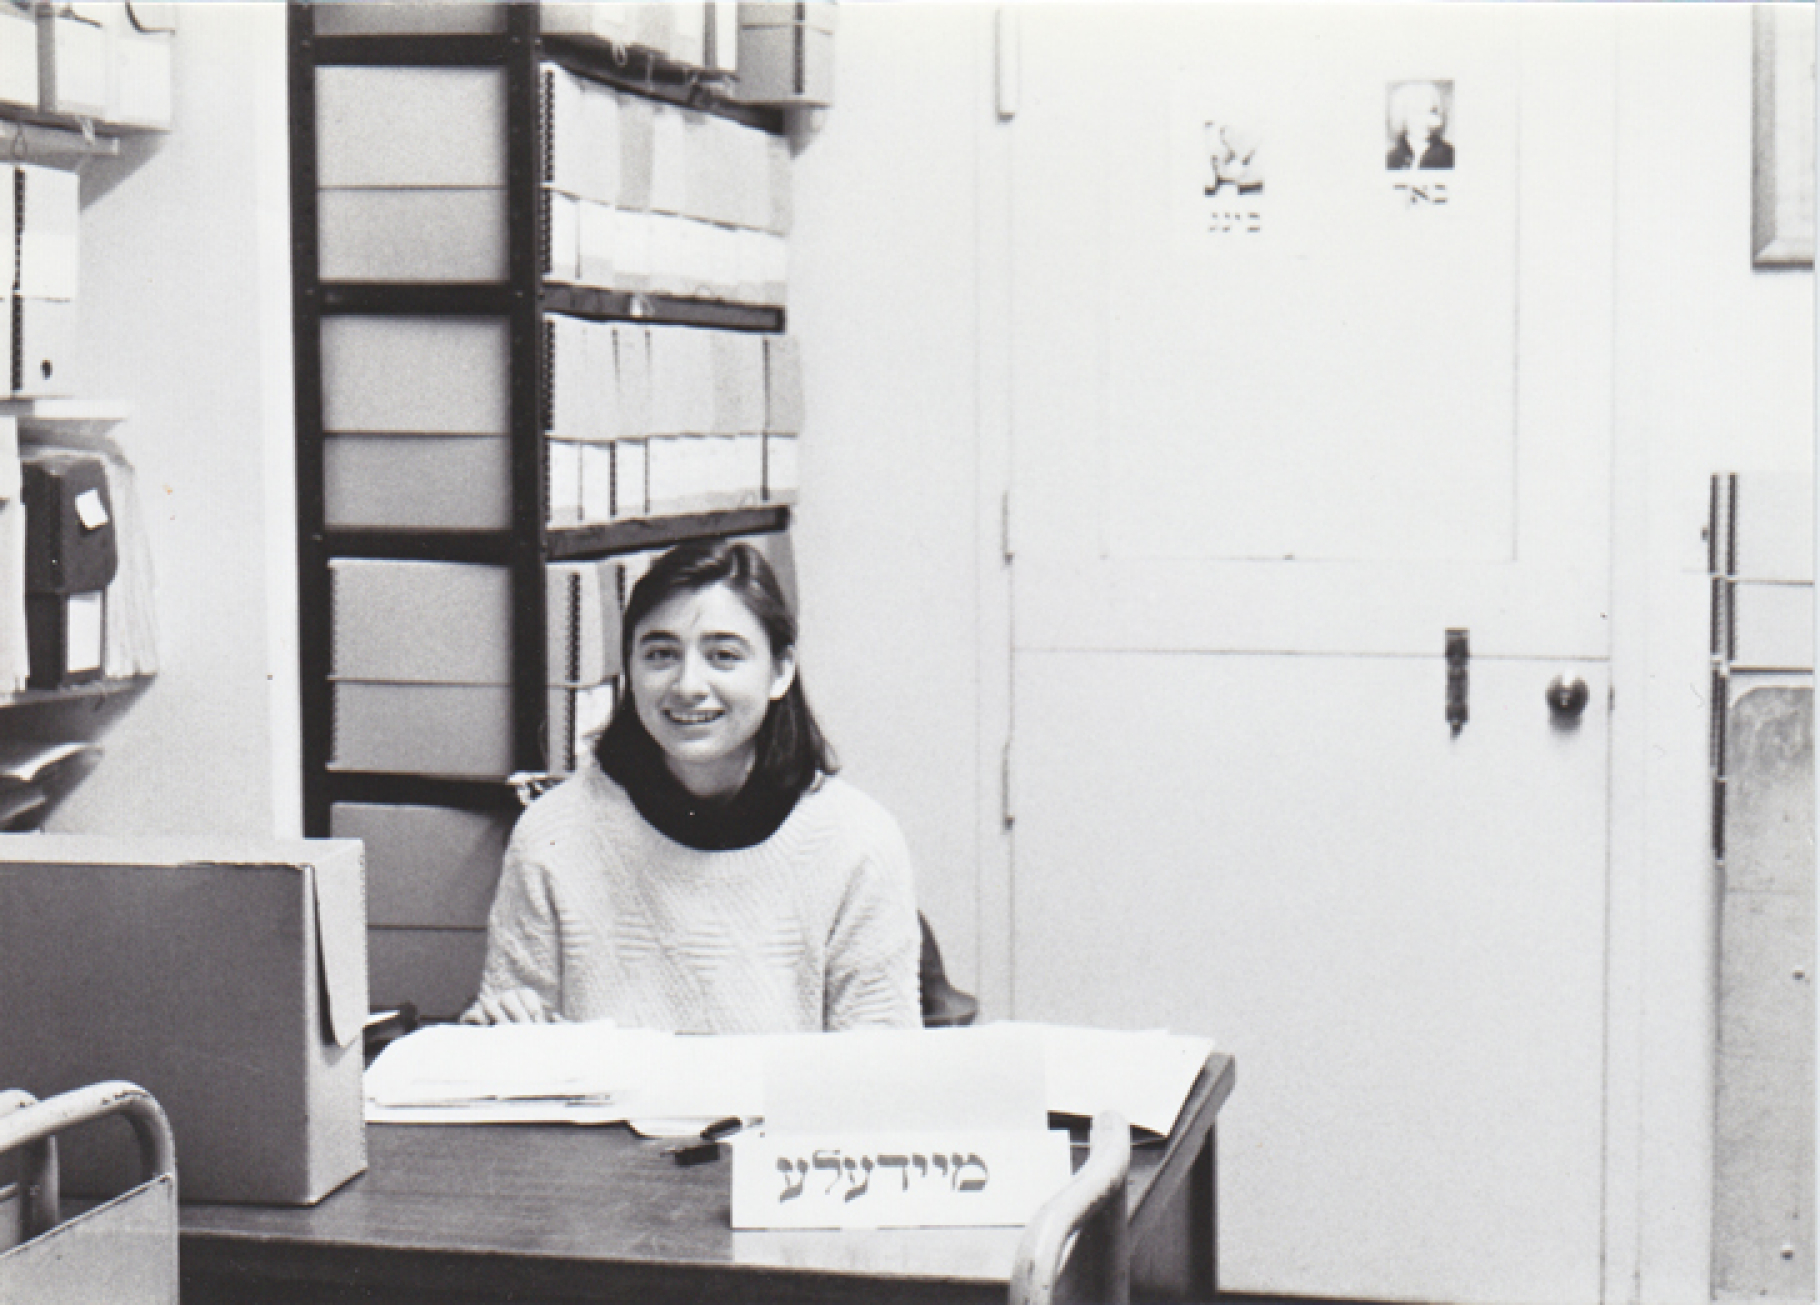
(524,942)
(876,943)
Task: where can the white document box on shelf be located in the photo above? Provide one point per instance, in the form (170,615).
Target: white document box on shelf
(18,57)
(72,63)
(416,421)
(46,208)
(411,170)
(421,668)
(43,342)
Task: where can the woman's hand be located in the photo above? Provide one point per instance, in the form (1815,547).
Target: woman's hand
(513,1006)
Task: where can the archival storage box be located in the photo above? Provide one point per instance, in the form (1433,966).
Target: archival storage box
(226,976)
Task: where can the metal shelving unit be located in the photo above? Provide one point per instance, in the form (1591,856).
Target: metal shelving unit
(522,300)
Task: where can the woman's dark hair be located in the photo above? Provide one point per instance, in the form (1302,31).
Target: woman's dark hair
(790,747)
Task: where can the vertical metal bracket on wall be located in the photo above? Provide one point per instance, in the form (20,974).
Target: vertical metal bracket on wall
(1457,655)
(1722,564)
(1007,70)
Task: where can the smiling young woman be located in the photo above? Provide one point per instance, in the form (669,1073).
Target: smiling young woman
(704,871)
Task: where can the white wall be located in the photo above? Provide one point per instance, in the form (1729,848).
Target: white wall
(897,546)
(885,286)
(185,316)
(1715,373)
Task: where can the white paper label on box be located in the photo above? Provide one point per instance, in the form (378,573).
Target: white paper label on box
(90,510)
(936,1179)
(84,630)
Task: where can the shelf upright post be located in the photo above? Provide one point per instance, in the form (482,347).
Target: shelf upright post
(530,498)
(314,636)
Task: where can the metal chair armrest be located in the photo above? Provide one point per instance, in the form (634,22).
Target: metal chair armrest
(37,1124)
(1094,1197)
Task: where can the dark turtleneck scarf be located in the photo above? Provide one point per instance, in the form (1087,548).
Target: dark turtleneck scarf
(719,824)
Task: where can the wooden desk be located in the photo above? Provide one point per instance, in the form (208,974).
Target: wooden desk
(527,1213)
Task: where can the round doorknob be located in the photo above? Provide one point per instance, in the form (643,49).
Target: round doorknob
(1566,698)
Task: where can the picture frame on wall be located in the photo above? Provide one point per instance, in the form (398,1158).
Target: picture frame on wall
(1782,145)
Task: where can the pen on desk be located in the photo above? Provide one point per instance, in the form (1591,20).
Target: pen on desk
(707,1145)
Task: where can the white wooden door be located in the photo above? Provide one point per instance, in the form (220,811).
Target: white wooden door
(1270,444)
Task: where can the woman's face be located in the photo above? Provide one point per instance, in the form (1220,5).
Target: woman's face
(702,676)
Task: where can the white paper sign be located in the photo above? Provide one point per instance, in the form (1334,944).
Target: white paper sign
(86,622)
(934,1179)
(90,510)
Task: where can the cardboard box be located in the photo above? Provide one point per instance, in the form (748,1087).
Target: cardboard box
(561,255)
(749,175)
(44,342)
(581,126)
(783,210)
(611,481)
(12,478)
(782,479)
(601,108)
(739,381)
(749,468)
(66,638)
(723,36)
(632,363)
(139,65)
(416,375)
(70,544)
(688,42)
(48,205)
(406,236)
(427,867)
(631,257)
(462,731)
(410,127)
(602,257)
(669,159)
(593,23)
(72,64)
(682,384)
(637,145)
(774,262)
(436,970)
(417,482)
(18,57)
(451,622)
(631,479)
(578,395)
(783,386)
(227,977)
(421,17)
(786,54)
(669,253)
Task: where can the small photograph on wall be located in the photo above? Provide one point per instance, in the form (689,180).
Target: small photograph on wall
(1232,183)
(1418,141)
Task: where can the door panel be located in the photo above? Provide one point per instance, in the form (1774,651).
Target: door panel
(1259,471)
(1397,933)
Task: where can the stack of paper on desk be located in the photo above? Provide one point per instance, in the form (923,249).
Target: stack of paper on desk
(597,1073)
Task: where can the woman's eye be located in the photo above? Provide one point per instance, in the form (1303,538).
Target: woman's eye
(659,656)
(725,657)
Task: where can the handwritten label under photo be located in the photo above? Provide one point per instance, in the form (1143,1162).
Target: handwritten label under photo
(896,1180)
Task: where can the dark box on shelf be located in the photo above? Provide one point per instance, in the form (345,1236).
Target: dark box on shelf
(69,524)
(64,638)
(226,976)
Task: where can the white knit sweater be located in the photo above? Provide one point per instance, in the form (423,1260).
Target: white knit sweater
(605,918)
